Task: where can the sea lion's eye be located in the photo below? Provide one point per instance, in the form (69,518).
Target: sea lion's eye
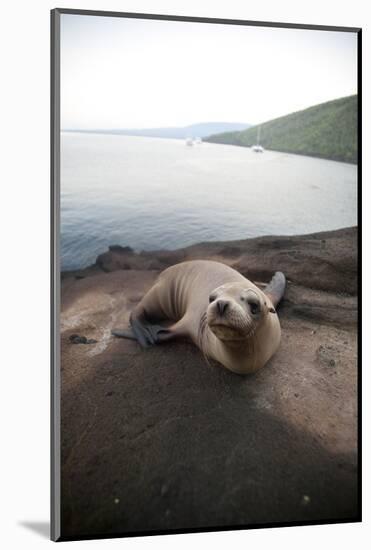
(212,298)
(254,308)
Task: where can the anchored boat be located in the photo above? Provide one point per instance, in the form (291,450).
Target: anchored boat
(258,148)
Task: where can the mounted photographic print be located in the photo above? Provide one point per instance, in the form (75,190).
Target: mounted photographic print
(205,212)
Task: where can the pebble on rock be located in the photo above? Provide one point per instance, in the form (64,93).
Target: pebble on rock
(77,339)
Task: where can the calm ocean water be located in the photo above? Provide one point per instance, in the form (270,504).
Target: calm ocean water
(156,193)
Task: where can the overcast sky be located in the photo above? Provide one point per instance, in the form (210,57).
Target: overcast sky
(132,73)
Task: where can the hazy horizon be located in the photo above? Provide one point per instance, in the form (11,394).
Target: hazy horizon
(194,123)
(121,73)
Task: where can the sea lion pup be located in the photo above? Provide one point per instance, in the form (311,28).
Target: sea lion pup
(229,318)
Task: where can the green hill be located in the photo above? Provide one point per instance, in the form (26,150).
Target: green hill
(328,130)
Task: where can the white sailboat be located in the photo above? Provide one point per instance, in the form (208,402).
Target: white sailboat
(258,148)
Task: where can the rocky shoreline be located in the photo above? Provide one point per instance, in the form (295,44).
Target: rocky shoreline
(158,439)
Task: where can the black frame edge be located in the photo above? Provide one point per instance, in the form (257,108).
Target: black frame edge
(55,528)
(195,19)
(359,252)
(213,529)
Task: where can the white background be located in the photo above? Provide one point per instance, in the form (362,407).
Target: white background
(24,249)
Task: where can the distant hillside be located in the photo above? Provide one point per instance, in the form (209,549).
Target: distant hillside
(328,130)
(201,129)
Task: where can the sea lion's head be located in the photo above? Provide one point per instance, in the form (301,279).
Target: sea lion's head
(235,311)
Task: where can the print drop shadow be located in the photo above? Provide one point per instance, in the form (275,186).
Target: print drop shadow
(42,528)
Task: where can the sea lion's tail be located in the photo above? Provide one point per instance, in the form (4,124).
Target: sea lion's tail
(276,288)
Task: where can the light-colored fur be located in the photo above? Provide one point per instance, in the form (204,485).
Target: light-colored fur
(239,340)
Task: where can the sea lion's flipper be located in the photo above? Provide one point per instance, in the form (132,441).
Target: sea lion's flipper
(127,333)
(142,335)
(139,332)
(159,334)
(276,288)
(149,335)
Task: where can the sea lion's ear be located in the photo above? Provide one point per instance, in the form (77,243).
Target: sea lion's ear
(272,310)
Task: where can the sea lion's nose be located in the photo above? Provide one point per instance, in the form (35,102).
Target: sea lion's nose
(222,306)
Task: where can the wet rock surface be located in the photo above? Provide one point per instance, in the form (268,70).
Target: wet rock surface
(159,439)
